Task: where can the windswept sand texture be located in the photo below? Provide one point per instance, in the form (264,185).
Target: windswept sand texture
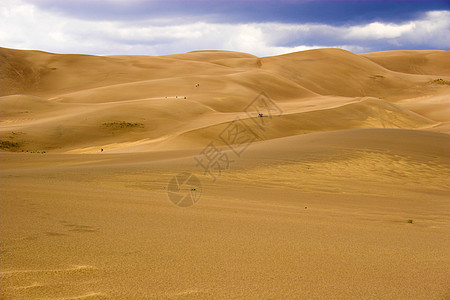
(342,195)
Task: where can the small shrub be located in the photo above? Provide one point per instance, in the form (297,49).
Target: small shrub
(410,221)
(123,124)
(8,145)
(440,81)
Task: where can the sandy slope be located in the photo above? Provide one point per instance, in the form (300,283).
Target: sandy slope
(317,207)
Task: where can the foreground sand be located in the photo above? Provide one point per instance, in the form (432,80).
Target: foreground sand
(319,207)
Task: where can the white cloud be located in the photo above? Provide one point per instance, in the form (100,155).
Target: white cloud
(378,30)
(25,26)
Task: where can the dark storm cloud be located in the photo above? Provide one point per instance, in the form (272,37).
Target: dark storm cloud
(337,12)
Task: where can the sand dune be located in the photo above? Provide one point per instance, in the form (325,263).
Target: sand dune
(413,62)
(340,191)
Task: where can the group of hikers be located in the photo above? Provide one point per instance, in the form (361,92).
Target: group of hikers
(196,85)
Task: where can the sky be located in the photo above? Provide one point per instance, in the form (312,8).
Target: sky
(259,27)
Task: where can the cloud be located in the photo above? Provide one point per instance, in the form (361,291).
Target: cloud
(378,31)
(25,25)
(335,12)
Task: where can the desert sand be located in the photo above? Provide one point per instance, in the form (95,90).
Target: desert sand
(340,190)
